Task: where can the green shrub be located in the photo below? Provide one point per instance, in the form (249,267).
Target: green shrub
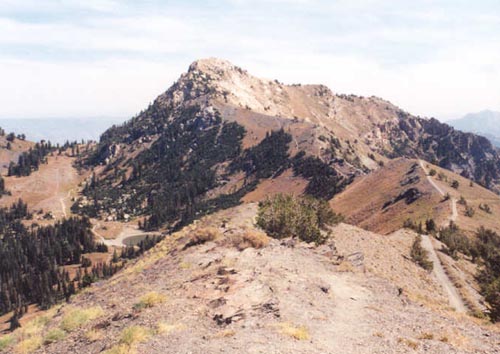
(485,207)
(456,241)
(488,245)
(304,217)
(430,225)
(470,211)
(420,255)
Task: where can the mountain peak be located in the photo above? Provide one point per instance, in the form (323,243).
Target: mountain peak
(213,65)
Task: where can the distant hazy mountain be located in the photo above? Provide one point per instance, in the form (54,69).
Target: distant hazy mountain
(59,130)
(485,123)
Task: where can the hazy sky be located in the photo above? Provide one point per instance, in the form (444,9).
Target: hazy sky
(69,58)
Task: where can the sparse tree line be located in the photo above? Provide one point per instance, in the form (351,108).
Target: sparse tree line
(169,181)
(31,160)
(32,260)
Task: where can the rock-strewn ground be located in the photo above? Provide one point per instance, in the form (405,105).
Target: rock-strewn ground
(358,294)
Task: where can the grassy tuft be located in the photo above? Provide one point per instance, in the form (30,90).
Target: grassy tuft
(76,318)
(119,349)
(408,342)
(54,335)
(426,336)
(165,328)
(297,332)
(29,345)
(94,335)
(150,300)
(250,238)
(135,334)
(201,236)
(6,341)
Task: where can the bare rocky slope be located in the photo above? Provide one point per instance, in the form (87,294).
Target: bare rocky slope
(240,291)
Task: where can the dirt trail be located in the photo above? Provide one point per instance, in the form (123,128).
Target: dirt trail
(455,300)
(57,192)
(453,201)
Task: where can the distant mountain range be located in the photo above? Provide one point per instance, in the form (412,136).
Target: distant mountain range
(486,123)
(59,130)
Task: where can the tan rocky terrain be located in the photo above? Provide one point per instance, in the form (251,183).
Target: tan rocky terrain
(242,292)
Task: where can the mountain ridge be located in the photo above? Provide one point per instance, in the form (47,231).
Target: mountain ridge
(219,114)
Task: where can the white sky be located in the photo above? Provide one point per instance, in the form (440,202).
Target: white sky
(111,58)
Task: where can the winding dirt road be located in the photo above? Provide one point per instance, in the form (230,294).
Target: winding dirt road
(453,201)
(454,297)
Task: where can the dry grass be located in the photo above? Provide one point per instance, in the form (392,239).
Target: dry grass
(297,332)
(94,335)
(226,333)
(34,327)
(135,334)
(129,338)
(426,336)
(250,238)
(76,317)
(345,267)
(202,235)
(29,345)
(6,341)
(119,349)
(150,300)
(455,339)
(408,342)
(166,328)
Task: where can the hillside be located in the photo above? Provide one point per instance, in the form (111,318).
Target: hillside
(11,150)
(383,200)
(474,196)
(205,143)
(486,123)
(242,292)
